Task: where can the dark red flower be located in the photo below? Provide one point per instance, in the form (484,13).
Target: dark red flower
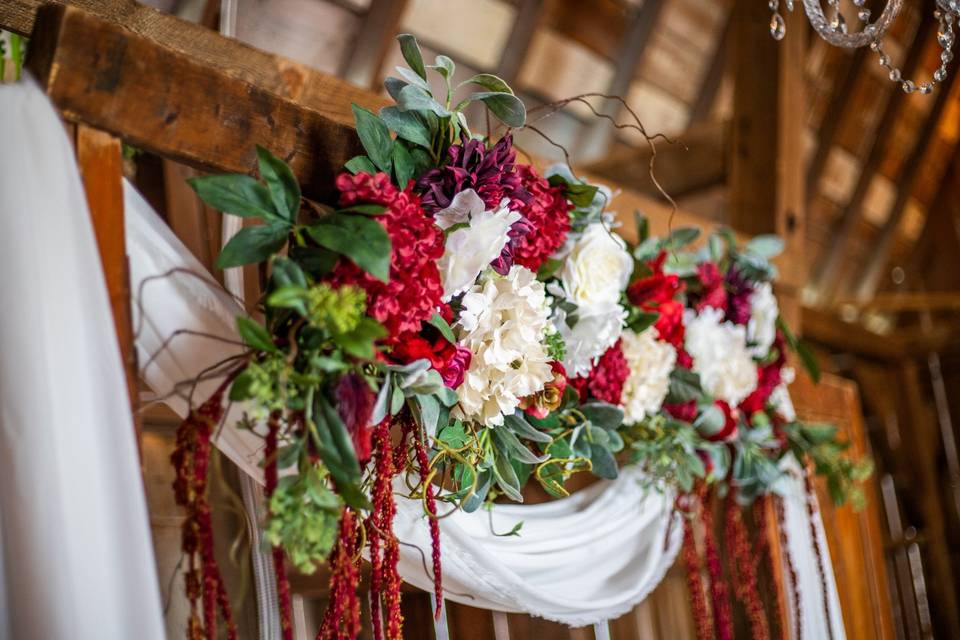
(605,380)
(413,293)
(545,223)
(768,378)
(657,293)
(471,165)
(355,401)
(683,411)
(713,292)
(739,291)
(669,324)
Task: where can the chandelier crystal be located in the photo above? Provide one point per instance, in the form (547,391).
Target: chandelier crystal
(832,27)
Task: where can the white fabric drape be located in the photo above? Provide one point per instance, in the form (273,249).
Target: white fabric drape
(77,558)
(587,558)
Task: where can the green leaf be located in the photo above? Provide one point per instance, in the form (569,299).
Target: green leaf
(286,272)
(316,260)
(643,226)
(444,66)
(516,423)
(253,244)
(765,246)
(681,237)
(363,240)
(603,415)
(360,341)
(413,79)
(393,87)
(581,195)
(444,328)
(489,82)
(360,164)
(508,108)
(710,421)
(454,435)
(429,413)
(374,136)
(365,209)
(642,320)
(255,335)
(236,194)
(240,389)
(336,450)
(476,499)
(411,53)
(407,125)
(809,360)
(282,184)
(506,478)
(604,464)
(684,386)
(509,444)
(289,297)
(414,98)
(421,161)
(402,164)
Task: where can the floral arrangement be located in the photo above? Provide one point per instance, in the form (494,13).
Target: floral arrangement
(463,322)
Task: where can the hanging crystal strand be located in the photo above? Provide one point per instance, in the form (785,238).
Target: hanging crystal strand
(778,28)
(946,40)
(863,13)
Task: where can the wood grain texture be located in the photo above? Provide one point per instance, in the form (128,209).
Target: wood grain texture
(169,104)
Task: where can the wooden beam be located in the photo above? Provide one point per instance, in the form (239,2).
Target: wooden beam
(766,175)
(696,161)
(869,277)
(326,94)
(825,277)
(906,301)
(529,15)
(169,104)
(598,135)
(712,77)
(364,66)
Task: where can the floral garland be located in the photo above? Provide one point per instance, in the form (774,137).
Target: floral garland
(460,320)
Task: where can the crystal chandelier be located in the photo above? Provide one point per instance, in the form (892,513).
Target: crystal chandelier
(834,30)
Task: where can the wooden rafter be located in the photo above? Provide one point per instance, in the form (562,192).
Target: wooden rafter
(365,62)
(825,278)
(529,14)
(869,276)
(712,77)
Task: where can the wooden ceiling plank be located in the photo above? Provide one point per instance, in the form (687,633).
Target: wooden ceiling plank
(826,277)
(598,135)
(529,15)
(364,65)
(712,77)
(869,276)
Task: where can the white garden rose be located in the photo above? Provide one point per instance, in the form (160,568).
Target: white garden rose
(720,355)
(762,326)
(650,362)
(597,269)
(503,321)
(780,397)
(597,328)
(470,249)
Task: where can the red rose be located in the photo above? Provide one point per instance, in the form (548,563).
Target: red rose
(730,420)
(655,289)
(714,294)
(768,378)
(451,361)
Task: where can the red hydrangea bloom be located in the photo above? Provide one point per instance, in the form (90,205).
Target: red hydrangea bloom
(740,288)
(768,378)
(547,219)
(413,293)
(684,411)
(471,165)
(605,380)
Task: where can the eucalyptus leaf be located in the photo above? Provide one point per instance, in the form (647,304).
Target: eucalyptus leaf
(510,444)
(413,78)
(684,386)
(765,246)
(414,98)
(507,479)
(489,82)
(444,66)
(508,108)
(516,423)
(429,414)
(282,184)
(603,415)
(407,125)
(410,49)
(393,87)
(477,498)
(604,464)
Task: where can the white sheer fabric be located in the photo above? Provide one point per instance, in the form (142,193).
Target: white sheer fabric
(584,559)
(77,559)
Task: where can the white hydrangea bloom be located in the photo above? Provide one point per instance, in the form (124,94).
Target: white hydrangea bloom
(720,355)
(470,249)
(780,398)
(503,321)
(762,326)
(650,362)
(597,269)
(597,329)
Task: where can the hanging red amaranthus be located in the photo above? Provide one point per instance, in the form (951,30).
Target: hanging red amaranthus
(384,548)
(688,505)
(763,548)
(424,463)
(341,621)
(743,569)
(722,616)
(191,462)
(270,480)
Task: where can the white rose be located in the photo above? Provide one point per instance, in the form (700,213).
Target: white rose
(470,249)
(596,330)
(597,269)
(650,362)
(720,355)
(762,326)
